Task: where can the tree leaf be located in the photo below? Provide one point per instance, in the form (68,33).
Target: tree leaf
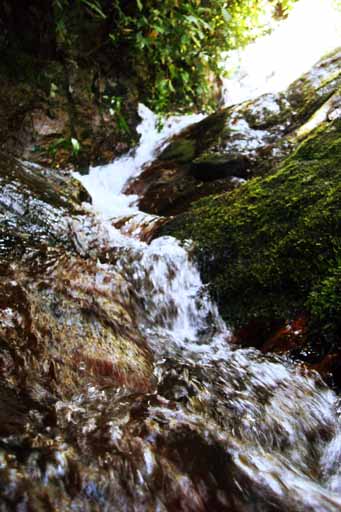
(75,146)
(226,15)
(95,7)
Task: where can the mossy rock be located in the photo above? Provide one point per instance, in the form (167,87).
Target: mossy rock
(197,138)
(213,166)
(180,151)
(259,124)
(311,90)
(271,248)
(241,141)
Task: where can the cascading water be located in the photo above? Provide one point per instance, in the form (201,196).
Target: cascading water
(175,306)
(278,426)
(120,389)
(224,429)
(106,183)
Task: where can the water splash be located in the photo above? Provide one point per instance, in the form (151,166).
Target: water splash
(162,285)
(272,425)
(105,183)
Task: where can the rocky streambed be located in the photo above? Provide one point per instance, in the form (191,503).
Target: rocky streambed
(123,385)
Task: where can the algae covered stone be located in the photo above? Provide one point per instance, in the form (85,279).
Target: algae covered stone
(272,247)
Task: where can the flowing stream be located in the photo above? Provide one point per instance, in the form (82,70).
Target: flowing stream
(250,432)
(277,425)
(159,412)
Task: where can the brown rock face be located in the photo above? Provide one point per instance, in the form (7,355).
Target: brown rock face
(91,417)
(42,112)
(168,188)
(43,125)
(56,336)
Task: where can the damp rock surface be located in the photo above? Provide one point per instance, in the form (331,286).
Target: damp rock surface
(272,245)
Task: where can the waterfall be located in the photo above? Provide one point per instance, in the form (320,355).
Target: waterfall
(121,387)
(105,183)
(279,424)
(273,426)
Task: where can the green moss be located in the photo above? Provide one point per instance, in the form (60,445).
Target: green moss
(180,150)
(305,97)
(321,144)
(269,118)
(268,248)
(197,138)
(211,158)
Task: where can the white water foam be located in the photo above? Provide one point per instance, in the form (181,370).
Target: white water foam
(274,408)
(160,275)
(162,284)
(105,183)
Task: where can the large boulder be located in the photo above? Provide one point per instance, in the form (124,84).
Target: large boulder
(58,327)
(270,250)
(63,332)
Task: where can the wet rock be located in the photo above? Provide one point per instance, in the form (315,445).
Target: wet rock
(53,329)
(310,91)
(110,447)
(62,333)
(181,150)
(210,167)
(271,246)
(34,205)
(168,188)
(241,141)
(140,226)
(295,339)
(108,403)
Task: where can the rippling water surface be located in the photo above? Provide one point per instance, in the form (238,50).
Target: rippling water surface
(231,429)
(184,421)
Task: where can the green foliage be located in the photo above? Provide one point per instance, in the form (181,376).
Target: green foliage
(95,7)
(62,34)
(177,45)
(115,104)
(71,144)
(271,249)
(173,47)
